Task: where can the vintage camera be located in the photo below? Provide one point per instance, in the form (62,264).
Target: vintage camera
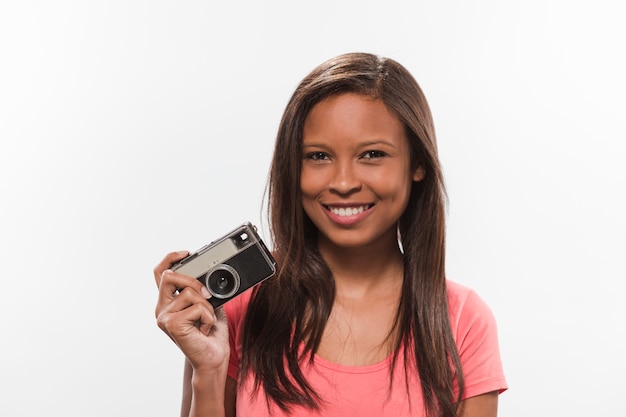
(230,265)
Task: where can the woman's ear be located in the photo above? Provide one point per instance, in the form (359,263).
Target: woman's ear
(419,174)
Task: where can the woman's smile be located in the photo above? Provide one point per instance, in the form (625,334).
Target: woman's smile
(347,215)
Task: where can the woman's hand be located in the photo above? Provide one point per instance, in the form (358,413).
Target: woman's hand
(186,316)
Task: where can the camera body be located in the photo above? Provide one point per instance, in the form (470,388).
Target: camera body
(230,265)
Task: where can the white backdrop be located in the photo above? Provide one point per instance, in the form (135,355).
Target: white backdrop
(132,128)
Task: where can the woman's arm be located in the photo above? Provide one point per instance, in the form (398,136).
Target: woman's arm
(485,405)
(230,393)
(201,333)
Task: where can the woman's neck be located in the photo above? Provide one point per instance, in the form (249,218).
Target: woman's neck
(361,329)
(375,269)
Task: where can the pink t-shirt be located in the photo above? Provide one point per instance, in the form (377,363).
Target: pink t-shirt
(364,390)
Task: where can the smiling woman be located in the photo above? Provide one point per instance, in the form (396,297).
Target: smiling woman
(359,318)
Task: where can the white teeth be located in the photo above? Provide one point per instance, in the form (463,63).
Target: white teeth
(348,211)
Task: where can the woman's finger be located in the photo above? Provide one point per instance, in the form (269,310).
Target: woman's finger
(167,263)
(184,323)
(172,282)
(184,299)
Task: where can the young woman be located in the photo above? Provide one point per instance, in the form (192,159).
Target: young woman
(360,319)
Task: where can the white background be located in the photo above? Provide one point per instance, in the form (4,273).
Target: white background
(132,128)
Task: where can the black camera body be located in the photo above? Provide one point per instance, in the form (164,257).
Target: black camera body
(230,265)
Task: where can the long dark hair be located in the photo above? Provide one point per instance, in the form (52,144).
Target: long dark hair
(291,309)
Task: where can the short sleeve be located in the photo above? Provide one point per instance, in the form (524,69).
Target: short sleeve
(475,330)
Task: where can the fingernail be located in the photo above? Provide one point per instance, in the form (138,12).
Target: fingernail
(205,293)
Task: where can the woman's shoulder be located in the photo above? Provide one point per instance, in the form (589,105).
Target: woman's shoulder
(456,289)
(465,305)
(458,294)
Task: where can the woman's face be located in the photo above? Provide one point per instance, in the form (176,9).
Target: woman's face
(356,172)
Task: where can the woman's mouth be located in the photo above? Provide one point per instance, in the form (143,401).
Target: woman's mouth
(348,211)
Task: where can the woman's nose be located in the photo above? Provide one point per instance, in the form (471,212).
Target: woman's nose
(345,179)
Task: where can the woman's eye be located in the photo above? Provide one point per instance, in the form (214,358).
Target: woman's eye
(373,154)
(317,156)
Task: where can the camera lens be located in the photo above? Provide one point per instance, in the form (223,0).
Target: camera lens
(222,281)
